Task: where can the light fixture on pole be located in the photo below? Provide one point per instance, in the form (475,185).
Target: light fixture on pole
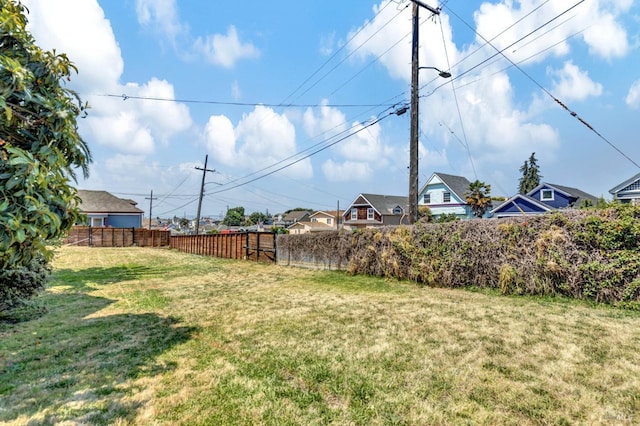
(413,141)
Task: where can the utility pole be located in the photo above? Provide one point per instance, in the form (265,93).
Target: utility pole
(413,142)
(204,174)
(150,198)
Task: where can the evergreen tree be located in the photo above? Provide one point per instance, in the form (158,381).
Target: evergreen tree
(530,174)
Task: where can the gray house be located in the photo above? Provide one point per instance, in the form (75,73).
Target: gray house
(106,210)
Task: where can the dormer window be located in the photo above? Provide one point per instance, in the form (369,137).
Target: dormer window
(397,210)
(546,195)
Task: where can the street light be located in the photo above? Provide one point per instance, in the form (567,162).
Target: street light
(413,141)
(443,74)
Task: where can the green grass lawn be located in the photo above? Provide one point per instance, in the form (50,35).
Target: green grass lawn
(151,336)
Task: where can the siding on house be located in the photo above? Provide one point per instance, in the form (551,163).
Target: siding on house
(433,193)
(105,209)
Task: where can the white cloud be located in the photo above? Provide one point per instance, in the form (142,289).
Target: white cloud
(162,14)
(122,132)
(574,84)
(607,38)
(325,124)
(80,30)
(633,97)
(261,138)
(225,50)
(129,127)
(597,22)
(347,171)
(221,139)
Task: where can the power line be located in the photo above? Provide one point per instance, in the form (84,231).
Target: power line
(377,120)
(546,91)
(333,56)
(353,51)
(125,97)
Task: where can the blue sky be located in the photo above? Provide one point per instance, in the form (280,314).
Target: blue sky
(258,85)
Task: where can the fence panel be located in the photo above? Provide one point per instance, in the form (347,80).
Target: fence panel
(256,246)
(117,237)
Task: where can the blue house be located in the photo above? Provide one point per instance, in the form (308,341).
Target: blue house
(444,194)
(106,210)
(544,198)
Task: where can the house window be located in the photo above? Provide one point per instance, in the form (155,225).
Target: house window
(427,198)
(354,214)
(546,195)
(315,219)
(397,210)
(97,222)
(370,215)
(329,220)
(446,197)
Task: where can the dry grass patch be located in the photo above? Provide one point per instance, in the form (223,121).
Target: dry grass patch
(153,336)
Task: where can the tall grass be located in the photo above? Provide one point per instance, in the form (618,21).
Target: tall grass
(144,336)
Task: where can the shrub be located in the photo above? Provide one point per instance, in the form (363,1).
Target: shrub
(18,284)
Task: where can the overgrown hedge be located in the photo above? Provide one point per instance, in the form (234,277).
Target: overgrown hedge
(584,254)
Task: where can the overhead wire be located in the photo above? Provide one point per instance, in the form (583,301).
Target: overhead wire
(333,55)
(364,126)
(455,97)
(546,91)
(352,52)
(125,97)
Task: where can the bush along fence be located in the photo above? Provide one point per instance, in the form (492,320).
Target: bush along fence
(584,254)
(256,246)
(117,237)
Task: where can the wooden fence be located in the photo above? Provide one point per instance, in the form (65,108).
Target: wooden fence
(117,237)
(256,246)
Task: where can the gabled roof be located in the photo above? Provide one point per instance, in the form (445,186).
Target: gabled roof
(104,202)
(459,185)
(624,184)
(295,215)
(383,204)
(513,200)
(327,213)
(569,191)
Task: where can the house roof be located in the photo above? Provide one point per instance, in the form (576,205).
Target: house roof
(104,202)
(457,184)
(385,204)
(573,192)
(295,215)
(327,213)
(624,184)
(543,207)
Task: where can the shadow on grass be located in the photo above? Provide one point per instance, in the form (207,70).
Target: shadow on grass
(79,280)
(65,366)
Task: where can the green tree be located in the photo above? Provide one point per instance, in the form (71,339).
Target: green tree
(478,197)
(39,143)
(530,174)
(258,217)
(234,217)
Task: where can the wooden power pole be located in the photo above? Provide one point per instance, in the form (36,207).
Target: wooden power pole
(204,174)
